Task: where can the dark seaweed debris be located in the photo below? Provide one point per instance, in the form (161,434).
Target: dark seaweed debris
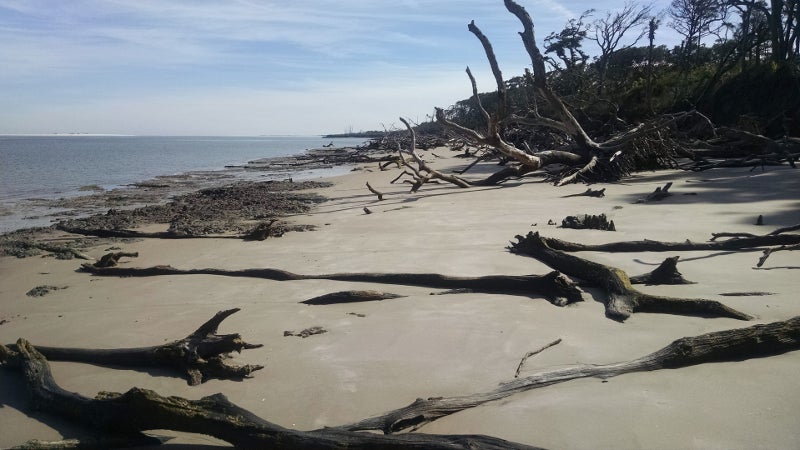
(230,208)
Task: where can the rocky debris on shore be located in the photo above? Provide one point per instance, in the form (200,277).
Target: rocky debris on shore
(39,241)
(216,210)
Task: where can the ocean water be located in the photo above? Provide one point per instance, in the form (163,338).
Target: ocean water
(50,167)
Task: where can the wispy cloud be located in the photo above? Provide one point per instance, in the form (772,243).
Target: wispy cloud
(56,54)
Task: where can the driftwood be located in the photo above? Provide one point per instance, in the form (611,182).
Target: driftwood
(666,273)
(200,356)
(622,299)
(729,345)
(770,251)
(657,195)
(140,409)
(589,193)
(658,246)
(423,173)
(555,287)
(715,236)
(534,353)
(351,297)
(378,193)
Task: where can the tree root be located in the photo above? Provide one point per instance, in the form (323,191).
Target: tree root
(729,345)
(200,356)
(140,409)
(622,299)
(556,288)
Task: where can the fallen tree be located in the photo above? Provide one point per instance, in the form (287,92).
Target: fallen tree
(666,141)
(127,415)
(621,299)
(729,345)
(553,286)
(199,356)
(137,410)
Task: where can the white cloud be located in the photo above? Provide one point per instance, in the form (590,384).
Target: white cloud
(320,107)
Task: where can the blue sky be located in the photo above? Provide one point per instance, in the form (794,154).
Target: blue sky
(253,67)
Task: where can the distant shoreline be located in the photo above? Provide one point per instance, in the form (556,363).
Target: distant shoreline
(360,134)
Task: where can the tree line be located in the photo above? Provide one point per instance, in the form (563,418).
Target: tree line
(737,63)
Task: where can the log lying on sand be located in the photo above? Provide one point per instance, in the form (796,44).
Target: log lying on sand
(658,246)
(351,297)
(555,287)
(622,299)
(139,409)
(729,345)
(200,356)
(666,273)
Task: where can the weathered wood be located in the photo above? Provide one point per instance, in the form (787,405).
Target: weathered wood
(657,195)
(199,356)
(729,345)
(377,193)
(589,192)
(666,273)
(658,246)
(423,173)
(770,251)
(350,297)
(553,286)
(534,353)
(622,299)
(141,409)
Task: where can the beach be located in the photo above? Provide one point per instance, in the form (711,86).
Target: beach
(381,355)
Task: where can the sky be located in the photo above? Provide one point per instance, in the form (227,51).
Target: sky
(254,67)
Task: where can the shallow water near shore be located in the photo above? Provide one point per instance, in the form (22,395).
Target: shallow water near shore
(37,168)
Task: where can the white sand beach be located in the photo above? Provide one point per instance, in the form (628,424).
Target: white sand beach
(381,355)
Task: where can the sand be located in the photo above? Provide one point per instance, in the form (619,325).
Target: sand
(423,345)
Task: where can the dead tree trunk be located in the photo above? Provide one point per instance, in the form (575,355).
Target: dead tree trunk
(200,356)
(622,299)
(658,246)
(729,345)
(140,409)
(423,172)
(555,287)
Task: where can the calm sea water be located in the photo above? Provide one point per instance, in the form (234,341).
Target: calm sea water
(58,166)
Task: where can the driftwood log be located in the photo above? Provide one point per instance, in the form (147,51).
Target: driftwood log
(646,245)
(351,297)
(729,345)
(622,299)
(140,409)
(199,356)
(666,273)
(553,286)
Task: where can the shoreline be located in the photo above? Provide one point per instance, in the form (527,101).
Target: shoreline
(381,355)
(20,214)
